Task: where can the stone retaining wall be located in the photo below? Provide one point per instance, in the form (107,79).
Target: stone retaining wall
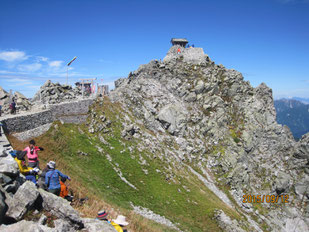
(71,112)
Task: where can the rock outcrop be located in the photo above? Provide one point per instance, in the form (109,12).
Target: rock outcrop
(19,197)
(4,96)
(52,93)
(22,102)
(5,100)
(221,124)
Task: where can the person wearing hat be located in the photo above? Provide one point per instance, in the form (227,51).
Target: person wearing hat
(41,180)
(52,178)
(102,215)
(32,154)
(120,223)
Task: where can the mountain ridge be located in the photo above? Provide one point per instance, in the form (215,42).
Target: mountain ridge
(294,114)
(189,137)
(237,120)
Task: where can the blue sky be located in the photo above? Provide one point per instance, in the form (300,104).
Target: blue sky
(266,40)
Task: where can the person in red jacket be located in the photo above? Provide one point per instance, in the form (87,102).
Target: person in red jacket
(32,154)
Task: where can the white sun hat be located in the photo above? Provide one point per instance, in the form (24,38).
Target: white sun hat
(121,220)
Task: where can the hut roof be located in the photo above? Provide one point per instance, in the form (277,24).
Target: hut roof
(183,40)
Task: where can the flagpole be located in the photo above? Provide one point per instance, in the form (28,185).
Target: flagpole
(67,74)
(68,67)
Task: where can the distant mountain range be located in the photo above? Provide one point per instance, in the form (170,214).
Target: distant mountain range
(294,113)
(303,100)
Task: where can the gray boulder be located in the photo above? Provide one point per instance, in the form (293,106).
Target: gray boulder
(25,226)
(21,101)
(302,148)
(199,88)
(282,183)
(3,93)
(226,223)
(302,189)
(97,225)
(42,220)
(191,97)
(22,200)
(129,131)
(61,208)
(119,82)
(3,206)
(62,226)
(8,166)
(173,118)
(4,179)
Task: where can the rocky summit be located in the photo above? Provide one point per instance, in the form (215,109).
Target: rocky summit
(184,142)
(52,93)
(224,128)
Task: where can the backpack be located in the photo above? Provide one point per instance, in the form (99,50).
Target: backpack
(20,154)
(13,153)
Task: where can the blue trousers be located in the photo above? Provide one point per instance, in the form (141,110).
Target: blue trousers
(31,178)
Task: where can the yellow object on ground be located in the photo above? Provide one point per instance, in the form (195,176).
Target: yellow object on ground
(23,170)
(117,227)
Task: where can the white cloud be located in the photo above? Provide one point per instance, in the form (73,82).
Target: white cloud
(55,64)
(41,58)
(29,67)
(16,79)
(11,56)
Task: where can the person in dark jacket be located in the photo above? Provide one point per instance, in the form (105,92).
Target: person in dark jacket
(13,107)
(52,178)
(41,180)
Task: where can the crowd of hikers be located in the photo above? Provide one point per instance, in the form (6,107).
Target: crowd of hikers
(52,180)
(49,178)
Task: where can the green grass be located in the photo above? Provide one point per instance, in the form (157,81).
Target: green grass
(192,211)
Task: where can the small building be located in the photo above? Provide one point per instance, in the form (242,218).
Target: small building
(178,41)
(87,86)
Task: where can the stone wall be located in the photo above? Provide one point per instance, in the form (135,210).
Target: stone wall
(22,123)
(71,112)
(71,108)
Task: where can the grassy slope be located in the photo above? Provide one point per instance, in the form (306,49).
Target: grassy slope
(93,175)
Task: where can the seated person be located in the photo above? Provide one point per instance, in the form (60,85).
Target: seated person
(120,223)
(41,180)
(102,215)
(64,193)
(30,173)
(52,178)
